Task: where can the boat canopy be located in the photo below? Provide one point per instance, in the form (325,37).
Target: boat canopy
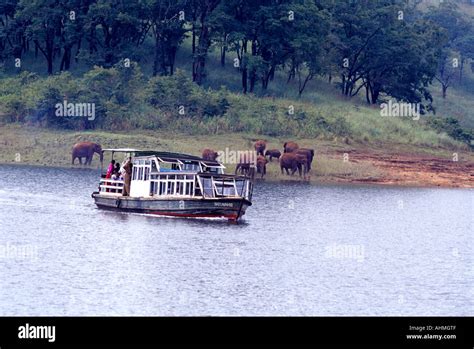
(121,150)
(163,155)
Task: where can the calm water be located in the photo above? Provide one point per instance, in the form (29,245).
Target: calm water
(302,250)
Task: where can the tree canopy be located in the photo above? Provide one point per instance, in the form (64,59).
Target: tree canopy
(380,48)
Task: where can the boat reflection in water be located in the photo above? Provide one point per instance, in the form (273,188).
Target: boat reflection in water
(177,185)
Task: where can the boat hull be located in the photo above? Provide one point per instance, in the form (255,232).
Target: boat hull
(228,208)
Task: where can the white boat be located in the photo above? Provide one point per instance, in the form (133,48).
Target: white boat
(178,185)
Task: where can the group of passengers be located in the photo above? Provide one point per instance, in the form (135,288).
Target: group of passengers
(113,171)
(117,172)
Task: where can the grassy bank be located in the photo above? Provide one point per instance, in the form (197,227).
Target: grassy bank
(335,160)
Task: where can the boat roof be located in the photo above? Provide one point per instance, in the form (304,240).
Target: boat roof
(121,150)
(163,155)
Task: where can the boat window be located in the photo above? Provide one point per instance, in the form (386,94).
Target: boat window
(208,191)
(167,167)
(162,188)
(225,187)
(147,162)
(193,166)
(147,173)
(209,169)
(170,188)
(134,174)
(140,173)
(197,187)
(180,188)
(240,184)
(154,168)
(189,188)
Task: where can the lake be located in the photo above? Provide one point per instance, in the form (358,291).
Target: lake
(301,249)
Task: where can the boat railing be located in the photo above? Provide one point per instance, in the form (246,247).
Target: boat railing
(111,187)
(215,186)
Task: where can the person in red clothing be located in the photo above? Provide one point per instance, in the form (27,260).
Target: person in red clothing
(110,169)
(108,175)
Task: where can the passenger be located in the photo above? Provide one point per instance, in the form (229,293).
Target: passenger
(110,169)
(115,177)
(127,176)
(117,169)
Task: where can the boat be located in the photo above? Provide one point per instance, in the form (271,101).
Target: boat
(175,185)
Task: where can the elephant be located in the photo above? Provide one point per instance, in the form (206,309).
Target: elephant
(273,153)
(290,147)
(86,150)
(309,153)
(262,165)
(294,162)
(246,165)
(260,146)
(209,154)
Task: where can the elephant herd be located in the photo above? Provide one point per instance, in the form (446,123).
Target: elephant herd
(293,159)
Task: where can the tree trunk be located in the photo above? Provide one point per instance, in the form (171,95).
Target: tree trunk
(79,44)
(244,80)
(375,93)
(50,56)
(50,63)
(223,50)
(445,88)
(172,59)
(203,46)
(272,72)
(193,46)
(253,79)
(292,72)
(156,59)
(243,65)
(367,92)
(66,60)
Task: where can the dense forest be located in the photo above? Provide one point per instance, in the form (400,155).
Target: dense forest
(94,51)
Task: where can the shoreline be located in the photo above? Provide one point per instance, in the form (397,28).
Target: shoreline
(335,162)
(320,180)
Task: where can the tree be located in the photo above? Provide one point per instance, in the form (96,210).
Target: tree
(457,45)
(167,20)
(43,22)
(382,48)
(114,31)
(308,29)
(201,12)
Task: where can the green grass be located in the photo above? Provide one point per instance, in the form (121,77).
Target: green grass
(45,147)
